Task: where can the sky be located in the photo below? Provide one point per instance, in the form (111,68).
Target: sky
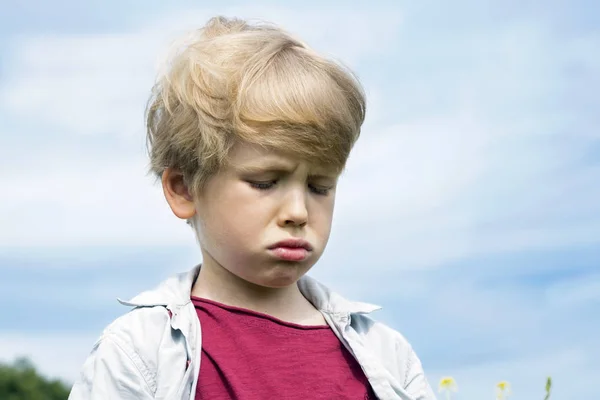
(469,210)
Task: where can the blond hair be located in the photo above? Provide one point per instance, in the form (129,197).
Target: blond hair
(256,83)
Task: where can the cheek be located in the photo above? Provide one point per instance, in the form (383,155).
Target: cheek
(321,219)
(233,222)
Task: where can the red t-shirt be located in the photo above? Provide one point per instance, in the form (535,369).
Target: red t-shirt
(247,355)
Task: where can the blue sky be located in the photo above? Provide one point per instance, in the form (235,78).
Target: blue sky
(470,209)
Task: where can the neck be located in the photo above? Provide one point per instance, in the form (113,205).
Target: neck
(216,283)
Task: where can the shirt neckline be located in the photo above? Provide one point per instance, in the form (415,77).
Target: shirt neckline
(248,311)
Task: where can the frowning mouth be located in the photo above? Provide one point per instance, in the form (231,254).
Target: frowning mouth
(293,244)
(291,249)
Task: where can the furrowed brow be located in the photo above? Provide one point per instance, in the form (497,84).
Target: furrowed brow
(323,176)
(271,167)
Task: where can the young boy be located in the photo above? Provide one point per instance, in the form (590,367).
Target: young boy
(249,130)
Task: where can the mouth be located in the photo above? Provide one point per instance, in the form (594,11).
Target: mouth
(293,244)
(291,249)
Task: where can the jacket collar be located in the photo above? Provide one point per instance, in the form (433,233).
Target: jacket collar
(330,302)
(176,291)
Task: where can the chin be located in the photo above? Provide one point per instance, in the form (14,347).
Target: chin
(278,282)
(281,278)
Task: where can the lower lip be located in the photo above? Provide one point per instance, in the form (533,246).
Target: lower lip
(290,253)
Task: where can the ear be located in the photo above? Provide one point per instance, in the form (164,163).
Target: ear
(177,194)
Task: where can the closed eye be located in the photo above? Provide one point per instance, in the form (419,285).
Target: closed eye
(322,191)
(319,190)
(262,185)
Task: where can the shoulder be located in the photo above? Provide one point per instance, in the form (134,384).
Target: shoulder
(137,333)
(132,342)
(146,321)
(123,361)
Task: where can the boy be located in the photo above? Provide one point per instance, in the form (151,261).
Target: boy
(249,130)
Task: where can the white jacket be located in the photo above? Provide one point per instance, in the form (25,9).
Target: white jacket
(153,351)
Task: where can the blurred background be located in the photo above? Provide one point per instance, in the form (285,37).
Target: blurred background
(470,209)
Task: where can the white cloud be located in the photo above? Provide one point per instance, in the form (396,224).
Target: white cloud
(84,85)
(87,200)
(413,168)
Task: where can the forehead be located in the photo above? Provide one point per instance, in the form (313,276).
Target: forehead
(252,157)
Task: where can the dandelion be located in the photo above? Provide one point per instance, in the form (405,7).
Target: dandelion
(503,390)
(448,384)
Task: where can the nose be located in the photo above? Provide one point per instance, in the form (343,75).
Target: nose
(294,211)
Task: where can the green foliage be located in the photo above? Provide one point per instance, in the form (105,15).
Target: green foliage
(20,381)
(548,387)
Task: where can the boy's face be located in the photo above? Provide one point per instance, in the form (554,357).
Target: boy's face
(259,199)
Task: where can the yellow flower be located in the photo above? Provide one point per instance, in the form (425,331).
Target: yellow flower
(503,390)
(448,384)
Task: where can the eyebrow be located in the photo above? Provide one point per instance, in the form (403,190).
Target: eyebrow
(267,167)
(278,168)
